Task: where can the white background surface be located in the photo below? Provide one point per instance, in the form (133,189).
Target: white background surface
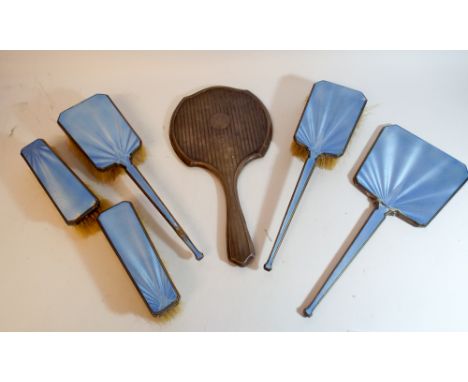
(52,277)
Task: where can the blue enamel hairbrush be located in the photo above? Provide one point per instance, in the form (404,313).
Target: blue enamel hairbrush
(406,177)
(325,128)
(76,203)
(102,133)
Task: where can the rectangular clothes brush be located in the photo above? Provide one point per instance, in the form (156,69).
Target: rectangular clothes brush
(69,194)
(325,128)
(120,223)
(103,134)
(131,243)
(406,177)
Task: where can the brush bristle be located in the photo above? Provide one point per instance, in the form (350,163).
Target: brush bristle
(89,225)
(323,161)
(169,314)
(326,162)
(299,151)
(104,203)
(140,155)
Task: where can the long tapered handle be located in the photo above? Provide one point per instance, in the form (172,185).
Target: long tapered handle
(299,190)
(239,244)
(377,217)
(157,202)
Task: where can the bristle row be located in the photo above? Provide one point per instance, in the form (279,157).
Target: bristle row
(299,151)
(169,314)
(326,162)
(139,156)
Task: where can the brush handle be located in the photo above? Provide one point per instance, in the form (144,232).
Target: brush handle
(374,220)
(142,183)
(299,190)
(239,244)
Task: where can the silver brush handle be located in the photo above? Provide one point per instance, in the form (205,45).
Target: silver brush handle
(158,203)
(296,197)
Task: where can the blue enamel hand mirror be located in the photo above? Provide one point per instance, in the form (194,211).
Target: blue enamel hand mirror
(406,177)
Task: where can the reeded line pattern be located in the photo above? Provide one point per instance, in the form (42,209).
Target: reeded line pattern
(240,128)
(225,148)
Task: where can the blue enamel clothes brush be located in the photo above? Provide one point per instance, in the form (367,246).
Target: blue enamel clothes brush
(406,177)
(70,196)
(76,203)
(131,243)
(324,130)
(106,138)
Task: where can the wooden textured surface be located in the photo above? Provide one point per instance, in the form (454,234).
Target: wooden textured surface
(222,129)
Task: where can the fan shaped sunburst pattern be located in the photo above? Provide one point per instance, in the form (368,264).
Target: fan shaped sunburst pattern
(329,118)
(410,175)
(100,130)
(67,192)
(134,248)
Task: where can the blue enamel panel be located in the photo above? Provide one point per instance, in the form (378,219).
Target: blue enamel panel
(329,118)
(133,246)
(409,175)
(100,130)
(71,197)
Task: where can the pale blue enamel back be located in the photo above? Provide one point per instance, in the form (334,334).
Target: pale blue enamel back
(134,248)
(329,118)
(68,193)
(409,175)
(100,130)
